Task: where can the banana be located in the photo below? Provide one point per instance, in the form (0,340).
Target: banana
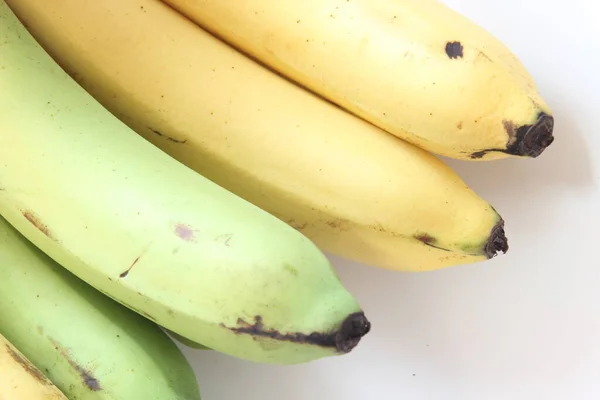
(88,345)
(415,68)
(152,234)
(353,189)
(20,379)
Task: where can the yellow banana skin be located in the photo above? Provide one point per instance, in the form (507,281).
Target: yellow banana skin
(20,379)
(91,347)
(416,68)
(153,234)
(353,189)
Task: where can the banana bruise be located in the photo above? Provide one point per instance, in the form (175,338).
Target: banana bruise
(20,379)
(151,233)
(416,68)
(353,189)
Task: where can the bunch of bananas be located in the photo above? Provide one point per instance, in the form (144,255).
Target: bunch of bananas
(180,167)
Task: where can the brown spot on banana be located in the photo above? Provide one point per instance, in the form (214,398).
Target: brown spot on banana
(347,337)
(35,221)
(28,366)
(338,224)
(484,56)
(126,272)
(297,225)
(425,238)
(428,240)
(497,242)
(511,129)
(169,138)
(526,140)
(454,50)
(88,379)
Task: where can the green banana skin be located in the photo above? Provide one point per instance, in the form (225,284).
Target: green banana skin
(91,347)
(151,233)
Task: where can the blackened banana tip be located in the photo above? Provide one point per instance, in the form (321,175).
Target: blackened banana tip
(354,327)
(534,139)
(497,241)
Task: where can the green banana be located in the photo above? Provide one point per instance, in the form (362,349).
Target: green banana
(153,234)
(88,345)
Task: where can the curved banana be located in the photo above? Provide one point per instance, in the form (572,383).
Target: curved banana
(91,347)
(20,379)
(153,234)
(353,189)
(416,68)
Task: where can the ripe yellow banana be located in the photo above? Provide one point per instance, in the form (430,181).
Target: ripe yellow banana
(91,347)
(153,234)
(352,188)
(415,68)
(20,379)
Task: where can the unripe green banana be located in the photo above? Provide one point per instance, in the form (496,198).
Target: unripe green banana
(153,234)
(89,346)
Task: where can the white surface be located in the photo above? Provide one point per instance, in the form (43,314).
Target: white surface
(525,325)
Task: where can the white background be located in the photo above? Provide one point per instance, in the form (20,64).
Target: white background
(525,325)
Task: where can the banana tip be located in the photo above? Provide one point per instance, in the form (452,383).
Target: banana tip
(354,327)
(532,140)
(497,241)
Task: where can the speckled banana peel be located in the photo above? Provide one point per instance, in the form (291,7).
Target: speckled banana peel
(416,68)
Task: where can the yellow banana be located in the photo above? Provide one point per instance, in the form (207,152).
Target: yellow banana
(352,188)
(20,379)
(415,68)
(152,234)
